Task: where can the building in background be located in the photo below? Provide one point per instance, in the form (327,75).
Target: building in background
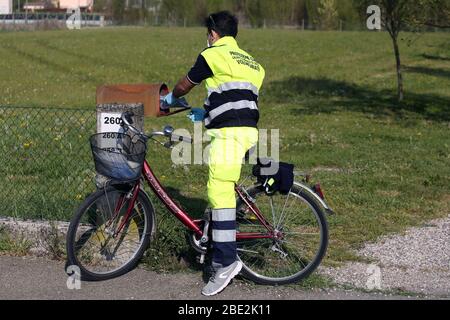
(36,6)
(85,5)
(58,5)
(6,6)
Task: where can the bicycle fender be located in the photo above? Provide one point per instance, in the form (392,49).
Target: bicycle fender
(306,188)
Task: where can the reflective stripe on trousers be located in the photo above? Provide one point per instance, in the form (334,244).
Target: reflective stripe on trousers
(224,236)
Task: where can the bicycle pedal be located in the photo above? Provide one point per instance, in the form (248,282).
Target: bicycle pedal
(201,259)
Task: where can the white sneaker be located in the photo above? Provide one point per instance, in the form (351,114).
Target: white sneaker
(221,279)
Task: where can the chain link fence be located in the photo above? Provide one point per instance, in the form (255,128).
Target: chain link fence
(46,167)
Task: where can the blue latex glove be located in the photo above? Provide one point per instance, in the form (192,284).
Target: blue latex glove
(169,101)
(197,114)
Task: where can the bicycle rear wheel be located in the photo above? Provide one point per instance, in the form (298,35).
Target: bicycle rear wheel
(103,240)
(291,257)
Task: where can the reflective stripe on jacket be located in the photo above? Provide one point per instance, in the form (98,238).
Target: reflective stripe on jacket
(233,89)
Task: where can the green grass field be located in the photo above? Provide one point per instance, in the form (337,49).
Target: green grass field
(384,166)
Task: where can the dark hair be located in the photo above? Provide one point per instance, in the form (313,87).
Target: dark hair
(223,22)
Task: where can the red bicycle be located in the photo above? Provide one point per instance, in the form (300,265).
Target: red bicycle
(281,239)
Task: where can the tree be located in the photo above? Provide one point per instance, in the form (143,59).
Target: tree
(437,14)
(103,6)
(348,13)
(118,9)
(327,14)
(397,15)
(311,9)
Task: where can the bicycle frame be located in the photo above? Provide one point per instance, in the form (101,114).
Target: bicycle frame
(195,225)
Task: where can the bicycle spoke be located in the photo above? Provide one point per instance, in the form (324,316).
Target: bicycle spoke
(247,251)
(301,233)
(273,210)
(281,221)
(282,212)
(298,244)
(95,246)
(298,259)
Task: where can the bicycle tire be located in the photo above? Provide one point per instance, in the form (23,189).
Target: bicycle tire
(254,276)
(87,275)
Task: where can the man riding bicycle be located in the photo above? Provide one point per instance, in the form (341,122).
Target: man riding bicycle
(233,80)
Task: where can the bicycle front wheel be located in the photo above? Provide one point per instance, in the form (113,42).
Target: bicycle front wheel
(295,254)
(109,234)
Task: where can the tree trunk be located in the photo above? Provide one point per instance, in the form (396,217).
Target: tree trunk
(399,69)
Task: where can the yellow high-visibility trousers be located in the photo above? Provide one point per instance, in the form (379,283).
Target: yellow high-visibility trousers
(226,154)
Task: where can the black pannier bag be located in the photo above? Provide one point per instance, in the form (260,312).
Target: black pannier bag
(281,181)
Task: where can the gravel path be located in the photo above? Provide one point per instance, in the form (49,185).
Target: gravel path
(38,278)
(416,261)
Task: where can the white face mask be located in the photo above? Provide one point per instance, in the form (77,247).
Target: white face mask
(208,44)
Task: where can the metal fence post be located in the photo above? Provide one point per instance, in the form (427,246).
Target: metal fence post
(108,120)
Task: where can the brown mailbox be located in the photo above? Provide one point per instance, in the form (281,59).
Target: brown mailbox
(147,94)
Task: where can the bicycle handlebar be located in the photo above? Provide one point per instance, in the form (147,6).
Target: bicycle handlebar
(128,123)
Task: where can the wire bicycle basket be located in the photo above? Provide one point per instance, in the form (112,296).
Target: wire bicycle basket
(118,156)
